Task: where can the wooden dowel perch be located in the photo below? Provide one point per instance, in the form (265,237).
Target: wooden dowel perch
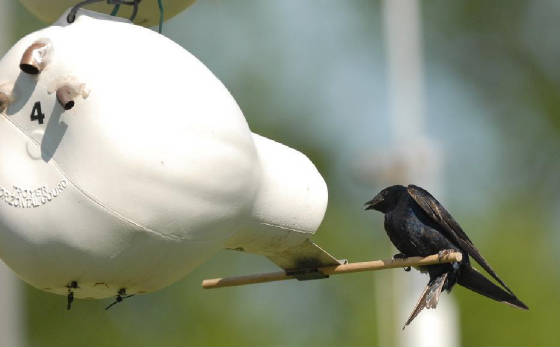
(334,270)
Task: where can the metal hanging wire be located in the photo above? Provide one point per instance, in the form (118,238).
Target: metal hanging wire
(72,14)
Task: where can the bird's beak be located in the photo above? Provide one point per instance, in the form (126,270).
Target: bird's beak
(372,204)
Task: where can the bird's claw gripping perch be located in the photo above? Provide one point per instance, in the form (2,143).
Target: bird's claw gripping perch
(444,253)
(403,256)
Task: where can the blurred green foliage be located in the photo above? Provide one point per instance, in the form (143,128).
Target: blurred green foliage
(311,75)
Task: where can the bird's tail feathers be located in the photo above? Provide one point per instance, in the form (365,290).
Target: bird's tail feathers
(429,298)
(472,279)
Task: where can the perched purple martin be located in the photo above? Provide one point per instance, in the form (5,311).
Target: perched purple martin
(418,225)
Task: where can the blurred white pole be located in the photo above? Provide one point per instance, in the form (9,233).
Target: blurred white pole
(11,301)
(404,58)
(419,161)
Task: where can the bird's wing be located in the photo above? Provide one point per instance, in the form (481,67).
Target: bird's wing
(429,298)
(439,215)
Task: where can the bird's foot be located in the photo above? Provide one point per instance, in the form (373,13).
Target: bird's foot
(444,253)
(402,256)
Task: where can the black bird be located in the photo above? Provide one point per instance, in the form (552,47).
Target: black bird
(418,225)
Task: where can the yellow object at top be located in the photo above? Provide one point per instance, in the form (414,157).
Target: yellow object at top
(148,10)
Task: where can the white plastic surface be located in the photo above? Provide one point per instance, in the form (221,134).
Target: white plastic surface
(145,178)
(290,182)
(289,207)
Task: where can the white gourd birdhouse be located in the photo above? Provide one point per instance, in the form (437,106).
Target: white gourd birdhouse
(125,163)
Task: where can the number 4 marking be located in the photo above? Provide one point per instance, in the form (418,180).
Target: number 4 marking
(37,114)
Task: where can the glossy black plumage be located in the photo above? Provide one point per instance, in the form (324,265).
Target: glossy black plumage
(418,225)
